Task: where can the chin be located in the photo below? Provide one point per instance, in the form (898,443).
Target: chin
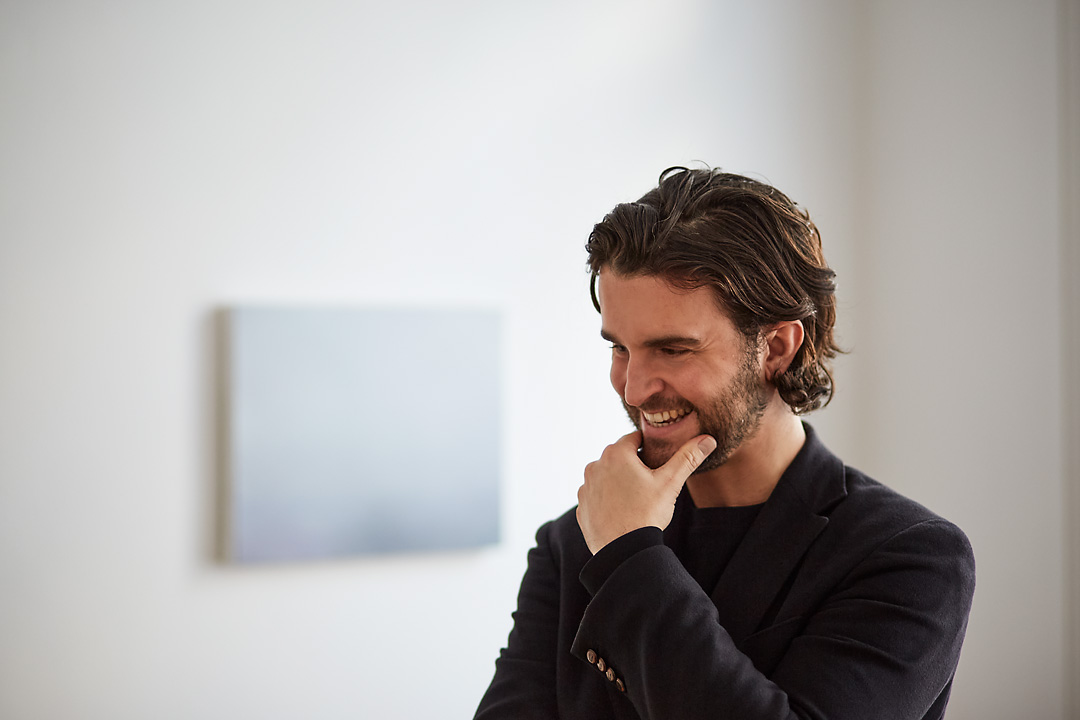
(655,453)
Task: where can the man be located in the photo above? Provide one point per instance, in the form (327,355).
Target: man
(721,562)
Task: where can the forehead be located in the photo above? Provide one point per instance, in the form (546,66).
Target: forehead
(641,307)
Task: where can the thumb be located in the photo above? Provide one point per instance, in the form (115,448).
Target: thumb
(688,458)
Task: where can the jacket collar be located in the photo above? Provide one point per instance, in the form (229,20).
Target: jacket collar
(783,531)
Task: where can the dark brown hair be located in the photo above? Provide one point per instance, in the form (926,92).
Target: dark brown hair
(756,249)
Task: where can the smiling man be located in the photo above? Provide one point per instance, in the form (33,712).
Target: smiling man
(721,562)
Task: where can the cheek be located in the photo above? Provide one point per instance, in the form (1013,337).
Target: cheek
(691,385)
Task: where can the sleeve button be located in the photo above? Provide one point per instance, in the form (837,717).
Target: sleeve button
(619,684)
(601,665)
(591,657)
(611,674)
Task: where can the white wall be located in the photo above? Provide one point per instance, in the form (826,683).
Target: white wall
(159,161)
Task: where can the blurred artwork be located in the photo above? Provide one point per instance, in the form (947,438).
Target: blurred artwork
(356,431)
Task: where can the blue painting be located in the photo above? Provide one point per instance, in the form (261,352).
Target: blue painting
(358,431)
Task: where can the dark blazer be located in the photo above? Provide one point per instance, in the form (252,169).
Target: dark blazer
(845,600)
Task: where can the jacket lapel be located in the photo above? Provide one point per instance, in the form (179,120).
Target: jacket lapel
(780,536)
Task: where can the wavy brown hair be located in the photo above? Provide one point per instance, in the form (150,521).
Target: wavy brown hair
(756,249)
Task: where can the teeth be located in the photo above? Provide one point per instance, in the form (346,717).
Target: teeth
(665,417)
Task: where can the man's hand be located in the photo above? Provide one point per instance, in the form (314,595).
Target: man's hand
(621,494)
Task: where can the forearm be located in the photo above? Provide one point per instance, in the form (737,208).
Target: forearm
(883,645)
(664,642)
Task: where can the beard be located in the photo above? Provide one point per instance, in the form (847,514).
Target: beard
(731,416)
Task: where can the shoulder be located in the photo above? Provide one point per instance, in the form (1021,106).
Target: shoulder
(875,520)
(860,511)
(880,510)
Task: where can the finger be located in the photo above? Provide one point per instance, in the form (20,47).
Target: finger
(633,440)
(688,458)
(626,446)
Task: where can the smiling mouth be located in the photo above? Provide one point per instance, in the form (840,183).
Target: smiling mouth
(664,418)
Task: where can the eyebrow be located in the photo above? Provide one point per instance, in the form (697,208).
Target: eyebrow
(664,341)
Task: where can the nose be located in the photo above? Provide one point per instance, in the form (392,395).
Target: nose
(636,380)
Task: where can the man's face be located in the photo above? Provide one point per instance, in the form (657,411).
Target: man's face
(680,366)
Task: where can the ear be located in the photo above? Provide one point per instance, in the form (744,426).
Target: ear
(781,344)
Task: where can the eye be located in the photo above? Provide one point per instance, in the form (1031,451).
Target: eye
(674,351)
(617,349)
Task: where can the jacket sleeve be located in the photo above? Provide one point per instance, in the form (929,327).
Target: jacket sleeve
(524,682)
(883,644)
